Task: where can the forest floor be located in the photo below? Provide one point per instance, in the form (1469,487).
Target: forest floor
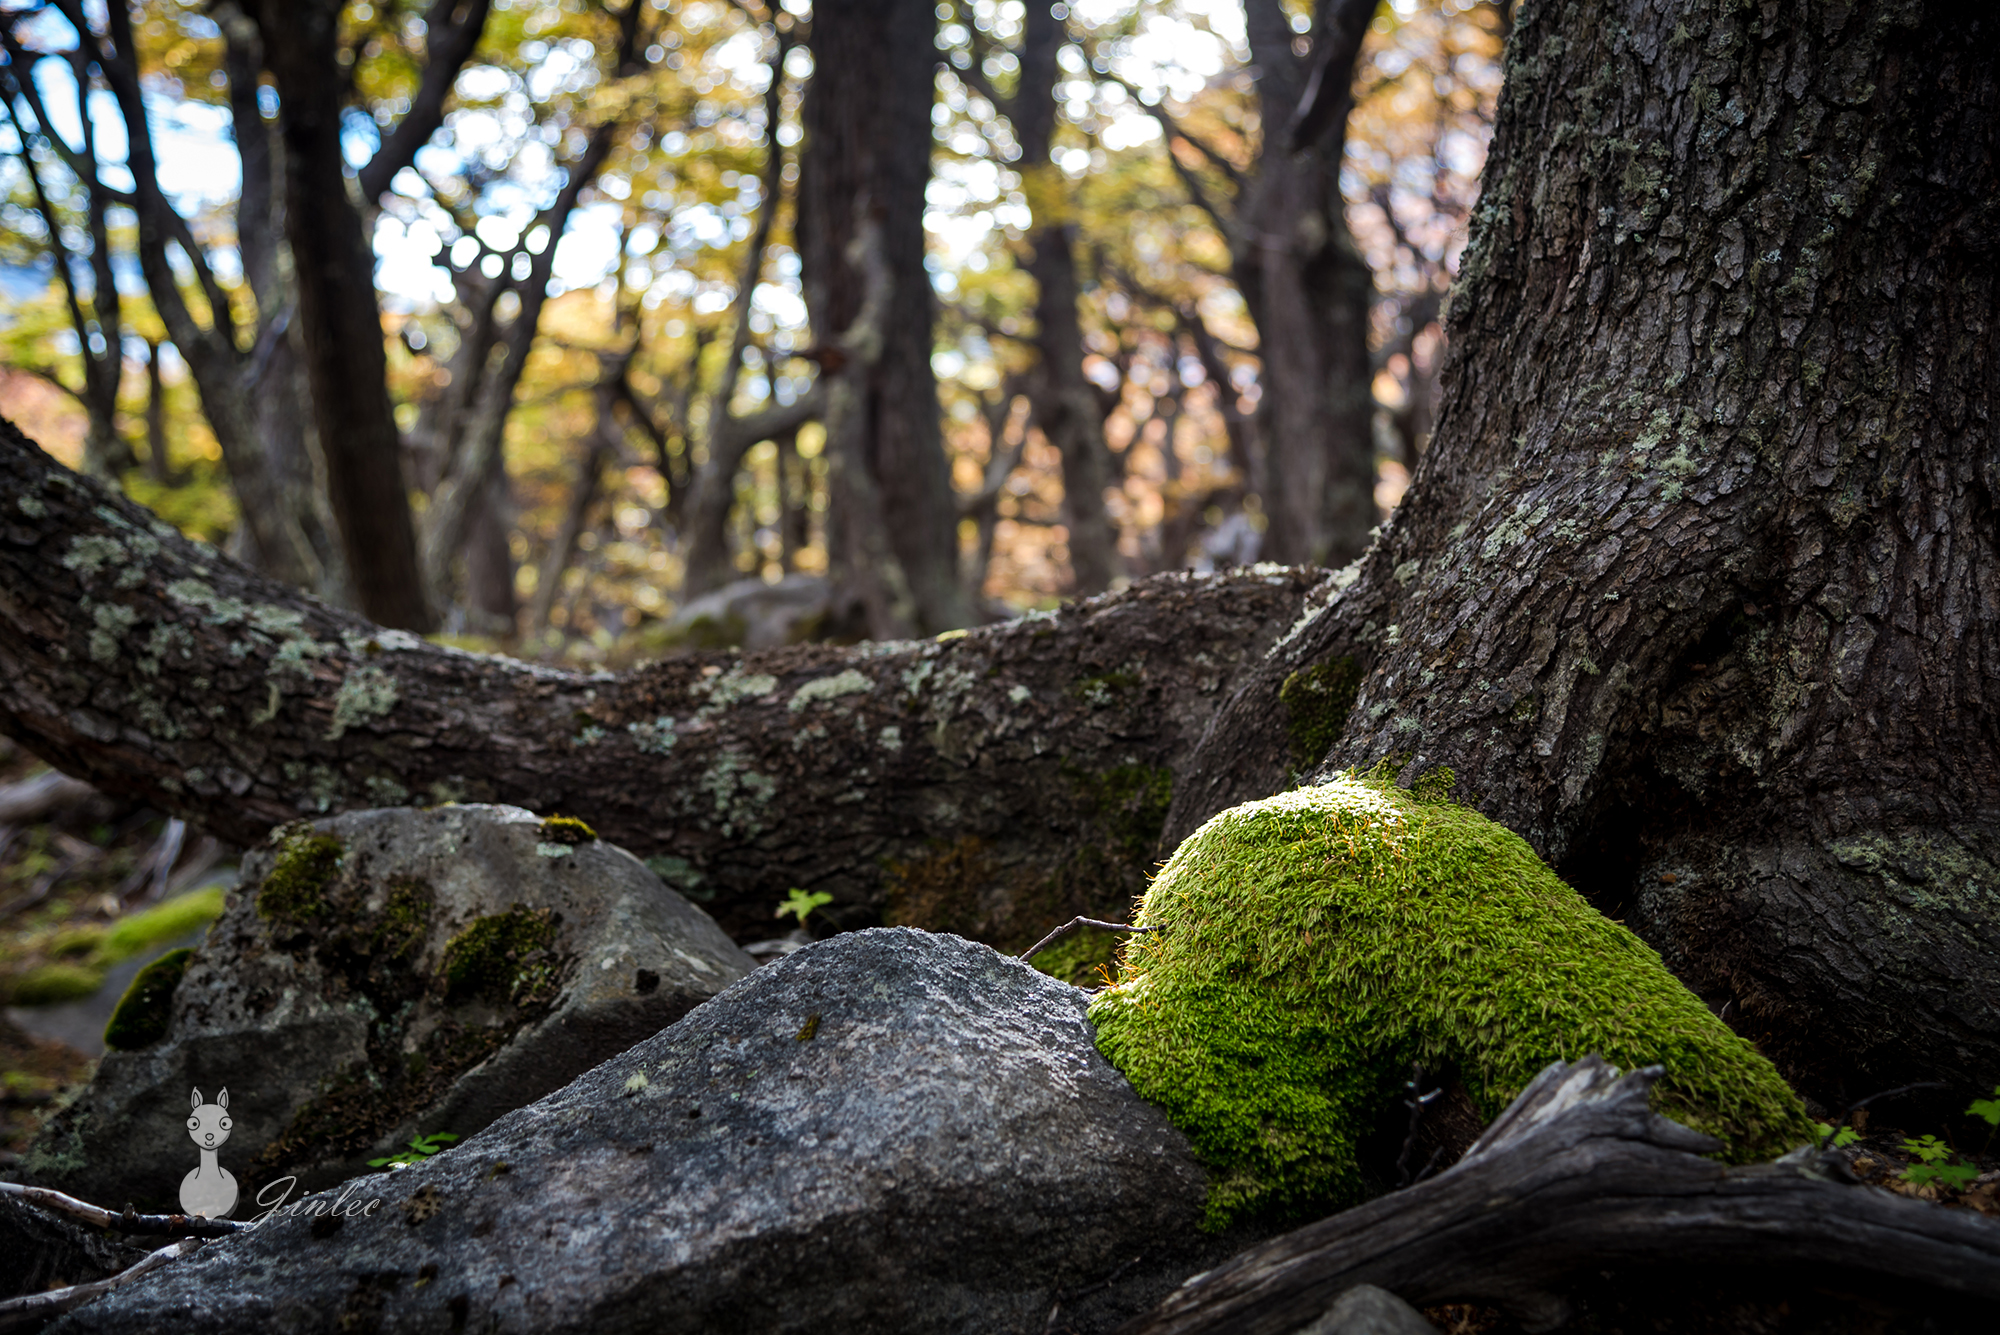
(85,901)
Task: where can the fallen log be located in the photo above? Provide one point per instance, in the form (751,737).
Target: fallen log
(1579,1175)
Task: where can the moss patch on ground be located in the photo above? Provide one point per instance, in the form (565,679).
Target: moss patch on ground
(1319,942)
(141,1017)
(75,958)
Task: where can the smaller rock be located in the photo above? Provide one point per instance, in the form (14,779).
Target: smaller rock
(1367,1310)
(382,974)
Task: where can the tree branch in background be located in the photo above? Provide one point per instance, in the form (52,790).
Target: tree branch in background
(1329,92)
(451,32)
(709,563)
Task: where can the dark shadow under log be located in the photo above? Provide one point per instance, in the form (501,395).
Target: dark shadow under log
(1578,1175)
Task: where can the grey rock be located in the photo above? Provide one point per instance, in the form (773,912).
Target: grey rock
(1367,1310)
(889,1131)
(348,1009)
(752,614)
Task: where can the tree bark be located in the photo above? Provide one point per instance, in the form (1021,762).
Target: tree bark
(1578,1175)
(867,154)
(994,784)
(1066,405)
(345,362)
(1698,587)
(1309,291)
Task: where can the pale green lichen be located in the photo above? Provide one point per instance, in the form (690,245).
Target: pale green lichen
(89,554)
(367,693)
(31,506)
(733,687)
(1019,695)
(110,621)
(849,682)
(655,738)
(1317,943)
(740,794)
(891,738)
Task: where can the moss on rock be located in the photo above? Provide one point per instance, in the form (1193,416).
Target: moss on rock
(503,957)
(1320,941)
(141,1018)
(566,830)
(295,887)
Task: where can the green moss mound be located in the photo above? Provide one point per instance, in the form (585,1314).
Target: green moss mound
(1319,942)
(141,1017)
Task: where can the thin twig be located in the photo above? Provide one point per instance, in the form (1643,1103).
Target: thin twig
(157,1225)
(36,1308)
(1075,923)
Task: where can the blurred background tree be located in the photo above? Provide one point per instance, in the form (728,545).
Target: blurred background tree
(695,329)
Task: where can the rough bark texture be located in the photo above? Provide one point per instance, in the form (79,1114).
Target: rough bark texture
(1066,404)
(992,783)
(1577,1175)
(1308,289)
(868,141)
(1698,586)
(345,363)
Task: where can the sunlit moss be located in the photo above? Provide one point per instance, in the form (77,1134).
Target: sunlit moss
(1318,942)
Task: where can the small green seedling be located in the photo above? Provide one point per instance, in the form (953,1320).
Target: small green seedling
(1934,1166)
(1842,1138)
(800,904)
(422,1148)
(1988,1111)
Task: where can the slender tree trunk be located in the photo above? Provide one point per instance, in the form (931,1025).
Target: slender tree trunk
(1065,402)
(1698,587)
(159,465)
(345,362)
(868,143)
(1309,291)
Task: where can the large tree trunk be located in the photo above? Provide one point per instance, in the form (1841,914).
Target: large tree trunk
(1309,290)
(1698,587)
(1065,402)
(867,155)
(345,363)
(993,784)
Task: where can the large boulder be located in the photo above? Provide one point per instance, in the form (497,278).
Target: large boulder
(887,1131)
(378,975)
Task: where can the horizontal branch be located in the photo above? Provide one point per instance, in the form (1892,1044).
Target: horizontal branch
(161,670)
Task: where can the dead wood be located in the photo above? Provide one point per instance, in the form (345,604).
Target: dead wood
(1579,1175)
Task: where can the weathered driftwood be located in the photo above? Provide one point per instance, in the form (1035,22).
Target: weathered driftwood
(1579,1174)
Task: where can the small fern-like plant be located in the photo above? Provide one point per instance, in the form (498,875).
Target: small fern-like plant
(422,1148)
